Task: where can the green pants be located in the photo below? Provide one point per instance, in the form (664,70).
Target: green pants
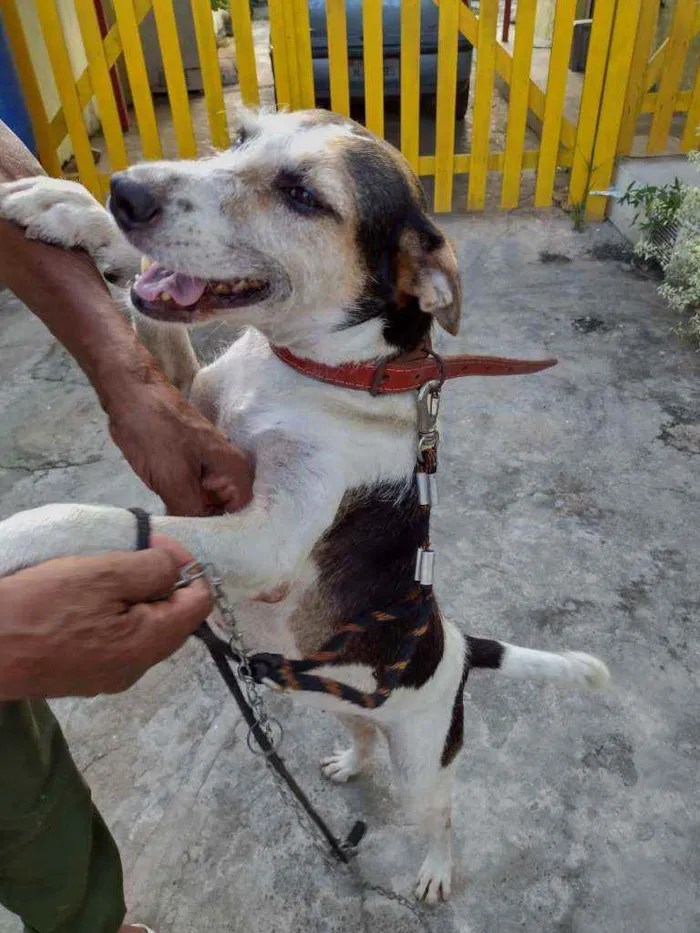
(59,866)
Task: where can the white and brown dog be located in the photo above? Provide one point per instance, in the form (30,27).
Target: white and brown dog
(313,233)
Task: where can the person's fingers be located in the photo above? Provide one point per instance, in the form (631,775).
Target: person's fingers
(228,479)
(143,575)
(164,626)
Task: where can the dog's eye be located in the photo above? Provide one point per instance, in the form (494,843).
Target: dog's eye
(301,199)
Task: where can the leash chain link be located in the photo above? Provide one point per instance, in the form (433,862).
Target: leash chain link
(267,724)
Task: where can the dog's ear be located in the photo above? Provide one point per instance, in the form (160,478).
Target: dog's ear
(427,271)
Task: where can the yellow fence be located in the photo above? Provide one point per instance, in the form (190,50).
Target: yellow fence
(633,87)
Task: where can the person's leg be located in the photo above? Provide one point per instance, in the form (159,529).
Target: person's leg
(59,867)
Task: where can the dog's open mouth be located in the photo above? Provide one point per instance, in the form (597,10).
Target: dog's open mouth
(173,296)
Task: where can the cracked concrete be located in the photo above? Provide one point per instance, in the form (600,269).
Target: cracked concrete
(568,519)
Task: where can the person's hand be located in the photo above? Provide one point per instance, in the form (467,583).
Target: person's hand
(82,626)
(178,453)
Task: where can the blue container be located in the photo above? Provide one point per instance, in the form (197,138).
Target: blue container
(13,111)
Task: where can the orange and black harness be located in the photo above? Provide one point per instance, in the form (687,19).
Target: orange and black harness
(421,371)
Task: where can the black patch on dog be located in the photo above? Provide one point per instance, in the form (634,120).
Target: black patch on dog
(483,652)
(387,205)
(455,734)
(367,561)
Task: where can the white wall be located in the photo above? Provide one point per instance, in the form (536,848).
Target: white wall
(42,66)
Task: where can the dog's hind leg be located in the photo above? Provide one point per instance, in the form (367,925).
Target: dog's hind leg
(424,748)
(342,765)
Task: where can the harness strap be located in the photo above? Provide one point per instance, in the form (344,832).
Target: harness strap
(219,656)
(294,674)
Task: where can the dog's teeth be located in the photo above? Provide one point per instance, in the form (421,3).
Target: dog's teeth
(166,296)
(240,286)
(221,289)
(145,263)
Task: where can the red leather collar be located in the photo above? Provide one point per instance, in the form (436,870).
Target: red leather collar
(409,370)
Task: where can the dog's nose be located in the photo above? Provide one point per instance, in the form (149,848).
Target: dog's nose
(131,202)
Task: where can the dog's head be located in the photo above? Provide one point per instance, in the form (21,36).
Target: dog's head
(309,223)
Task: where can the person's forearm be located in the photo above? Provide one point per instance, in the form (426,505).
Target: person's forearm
(66,291)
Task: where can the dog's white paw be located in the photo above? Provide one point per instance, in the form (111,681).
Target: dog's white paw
(587,670)
(53,210)
(435,879)
(341,766)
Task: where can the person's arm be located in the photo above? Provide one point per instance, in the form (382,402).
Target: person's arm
(201,472)
(88,625)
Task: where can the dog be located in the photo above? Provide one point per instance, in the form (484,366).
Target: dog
(313,235)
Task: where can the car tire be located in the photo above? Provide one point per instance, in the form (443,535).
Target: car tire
(429,102)
(462,100)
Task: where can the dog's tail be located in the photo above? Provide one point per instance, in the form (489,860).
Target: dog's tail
(564,667)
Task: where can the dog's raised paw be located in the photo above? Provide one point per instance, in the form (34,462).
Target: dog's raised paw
(434,880)
(340,766)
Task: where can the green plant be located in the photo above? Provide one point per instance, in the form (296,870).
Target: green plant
(657,205)
(578,216)
(664,207)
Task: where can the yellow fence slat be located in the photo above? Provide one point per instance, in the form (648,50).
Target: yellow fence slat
(612,103)
(138,78)
(446,102)
(517,105)
(30,88)
(554,103)
(302,28)
(462,162)
(657,61)
(102,84)
(591,95)
(245,52)
(336,24)
(292,62)
(679,37)
(373,55)
(691,140)
(65,83)
(83,85)
(175,80)
(635,85)
(469,27)
(211,72)
(481,130)
(283,91)
(681,104)
(410,81)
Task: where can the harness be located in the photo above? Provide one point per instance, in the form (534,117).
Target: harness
(421,371)
(426,371)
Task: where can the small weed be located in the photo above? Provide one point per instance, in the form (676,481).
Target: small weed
(546,256)
(578,216)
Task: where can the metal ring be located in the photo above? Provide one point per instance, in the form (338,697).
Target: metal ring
(441,364)
(274,742)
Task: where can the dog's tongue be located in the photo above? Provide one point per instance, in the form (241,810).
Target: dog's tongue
(183,289)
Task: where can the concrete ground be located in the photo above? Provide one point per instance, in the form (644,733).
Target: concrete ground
(568,519)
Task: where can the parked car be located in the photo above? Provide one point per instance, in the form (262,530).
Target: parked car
(429,16)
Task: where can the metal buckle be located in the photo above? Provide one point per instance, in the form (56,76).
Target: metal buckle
(428,404)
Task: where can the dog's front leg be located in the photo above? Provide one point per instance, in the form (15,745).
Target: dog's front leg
(295,497)
(64,213)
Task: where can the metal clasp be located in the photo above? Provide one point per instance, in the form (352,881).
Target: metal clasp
(428,404)
(188,574)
